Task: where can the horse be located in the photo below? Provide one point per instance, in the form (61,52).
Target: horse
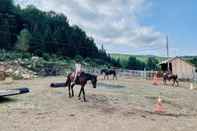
(168,77)
(82,80)
(108,72)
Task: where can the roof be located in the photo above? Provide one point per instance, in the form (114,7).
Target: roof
(171,59)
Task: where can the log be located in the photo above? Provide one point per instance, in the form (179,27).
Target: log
(57,85)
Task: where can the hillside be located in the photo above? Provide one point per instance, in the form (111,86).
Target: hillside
(143,58)
(124,58)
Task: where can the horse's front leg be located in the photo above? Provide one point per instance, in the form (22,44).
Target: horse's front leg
(72,86)
(84,97)
(164,81)
(115,76)
(79,96)
(177,82)
(69,94)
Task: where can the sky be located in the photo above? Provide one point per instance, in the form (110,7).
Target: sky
(135,27)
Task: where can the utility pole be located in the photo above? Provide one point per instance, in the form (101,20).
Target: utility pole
(167,51)
(167,46)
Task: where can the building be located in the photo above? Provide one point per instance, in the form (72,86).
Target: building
(180,67)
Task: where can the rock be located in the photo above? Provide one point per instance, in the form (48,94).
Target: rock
(2,75)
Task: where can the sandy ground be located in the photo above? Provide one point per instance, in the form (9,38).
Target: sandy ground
(123,105)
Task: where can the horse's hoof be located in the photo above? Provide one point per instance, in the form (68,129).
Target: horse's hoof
(79,98)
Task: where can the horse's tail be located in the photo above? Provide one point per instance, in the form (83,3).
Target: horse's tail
(68,80)
(176,77)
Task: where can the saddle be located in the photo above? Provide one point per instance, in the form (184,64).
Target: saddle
(73,76)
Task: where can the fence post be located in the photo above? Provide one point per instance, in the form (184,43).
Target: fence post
(145,73)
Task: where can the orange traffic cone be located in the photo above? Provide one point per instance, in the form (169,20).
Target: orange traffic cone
(159,107)
(155,80)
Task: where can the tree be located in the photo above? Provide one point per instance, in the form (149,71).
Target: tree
(135,64)
(194,61)
(6,6)
(23,40)
(5,41)
(152,63)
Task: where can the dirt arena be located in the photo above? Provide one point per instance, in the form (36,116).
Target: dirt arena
(123,105)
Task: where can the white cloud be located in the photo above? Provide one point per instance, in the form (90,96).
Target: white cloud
(108,21)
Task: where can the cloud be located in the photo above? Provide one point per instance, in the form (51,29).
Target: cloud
(109,22)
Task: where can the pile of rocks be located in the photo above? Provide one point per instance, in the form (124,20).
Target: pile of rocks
(15,70)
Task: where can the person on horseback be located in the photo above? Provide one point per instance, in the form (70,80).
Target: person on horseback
(78,70)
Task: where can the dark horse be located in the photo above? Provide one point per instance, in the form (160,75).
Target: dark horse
(108,72)
(168,77)
(81,80)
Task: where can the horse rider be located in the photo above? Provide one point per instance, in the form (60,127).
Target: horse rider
(78,70)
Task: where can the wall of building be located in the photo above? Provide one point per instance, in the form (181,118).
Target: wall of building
(183,69)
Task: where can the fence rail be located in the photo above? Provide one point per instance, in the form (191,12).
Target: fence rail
(137,73)
(144,74)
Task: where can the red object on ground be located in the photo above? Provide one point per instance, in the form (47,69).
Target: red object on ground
(159,107)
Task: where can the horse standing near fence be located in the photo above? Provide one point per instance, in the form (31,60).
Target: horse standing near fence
(168,77)
(108,72)
(80,80)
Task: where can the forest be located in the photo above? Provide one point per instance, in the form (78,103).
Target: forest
(45,34)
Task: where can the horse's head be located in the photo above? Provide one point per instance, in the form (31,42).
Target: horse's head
(94,80)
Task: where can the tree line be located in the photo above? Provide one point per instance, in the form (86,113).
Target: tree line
(48,34)
(134,64)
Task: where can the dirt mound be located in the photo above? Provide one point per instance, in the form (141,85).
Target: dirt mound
(15,70)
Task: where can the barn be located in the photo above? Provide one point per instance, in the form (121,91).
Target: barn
(180,67)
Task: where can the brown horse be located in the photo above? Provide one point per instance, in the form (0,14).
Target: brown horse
(80,80)
(108,72)
(168,77)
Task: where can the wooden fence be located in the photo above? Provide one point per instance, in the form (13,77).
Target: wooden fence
(137,73)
